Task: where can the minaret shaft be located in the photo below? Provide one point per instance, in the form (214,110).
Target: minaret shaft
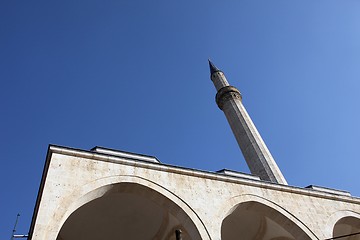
(221,80)
(256,154)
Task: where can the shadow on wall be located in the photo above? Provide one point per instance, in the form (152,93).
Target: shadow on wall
(254,220)
(128,211)
(134,211)
(347,226)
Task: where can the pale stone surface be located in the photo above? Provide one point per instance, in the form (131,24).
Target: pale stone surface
(256,154)
(219,80)
(109,194)
(75,178)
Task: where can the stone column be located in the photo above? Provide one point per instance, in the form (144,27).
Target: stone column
(256,154)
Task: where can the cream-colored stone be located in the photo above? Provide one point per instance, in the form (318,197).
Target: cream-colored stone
(255,152)
(194,198)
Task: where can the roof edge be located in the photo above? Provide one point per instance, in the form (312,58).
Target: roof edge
(197,173)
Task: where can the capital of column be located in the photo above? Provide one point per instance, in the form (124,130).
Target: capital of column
(226,93)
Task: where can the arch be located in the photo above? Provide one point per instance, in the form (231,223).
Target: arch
(260,218)
(343,223)
(142,191)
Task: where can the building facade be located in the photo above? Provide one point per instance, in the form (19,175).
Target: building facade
(109,194)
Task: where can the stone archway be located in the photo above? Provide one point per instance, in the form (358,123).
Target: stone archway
(347,226)
(262,220)
(128,211)
(341,223)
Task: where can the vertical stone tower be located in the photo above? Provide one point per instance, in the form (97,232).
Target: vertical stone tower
(106,193)
(256,154)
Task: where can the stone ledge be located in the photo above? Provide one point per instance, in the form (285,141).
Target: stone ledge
(238,174)
(198,173)
(118,153)
(329,190)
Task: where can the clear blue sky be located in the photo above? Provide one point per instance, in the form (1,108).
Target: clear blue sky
(133,75)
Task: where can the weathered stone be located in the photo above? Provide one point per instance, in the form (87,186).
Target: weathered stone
(256,154)
(203,205)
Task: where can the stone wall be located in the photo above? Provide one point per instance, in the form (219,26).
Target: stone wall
(73,178)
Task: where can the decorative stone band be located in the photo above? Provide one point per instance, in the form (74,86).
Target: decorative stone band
(226,93)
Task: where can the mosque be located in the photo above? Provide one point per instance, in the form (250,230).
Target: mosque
(110,194)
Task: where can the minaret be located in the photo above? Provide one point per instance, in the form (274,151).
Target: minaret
(256,154)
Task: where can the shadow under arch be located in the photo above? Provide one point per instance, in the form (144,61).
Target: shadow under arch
(254,217)
(344,223)
(129,207)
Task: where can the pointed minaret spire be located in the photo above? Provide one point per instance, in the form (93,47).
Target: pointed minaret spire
(213,68)
(256,154)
